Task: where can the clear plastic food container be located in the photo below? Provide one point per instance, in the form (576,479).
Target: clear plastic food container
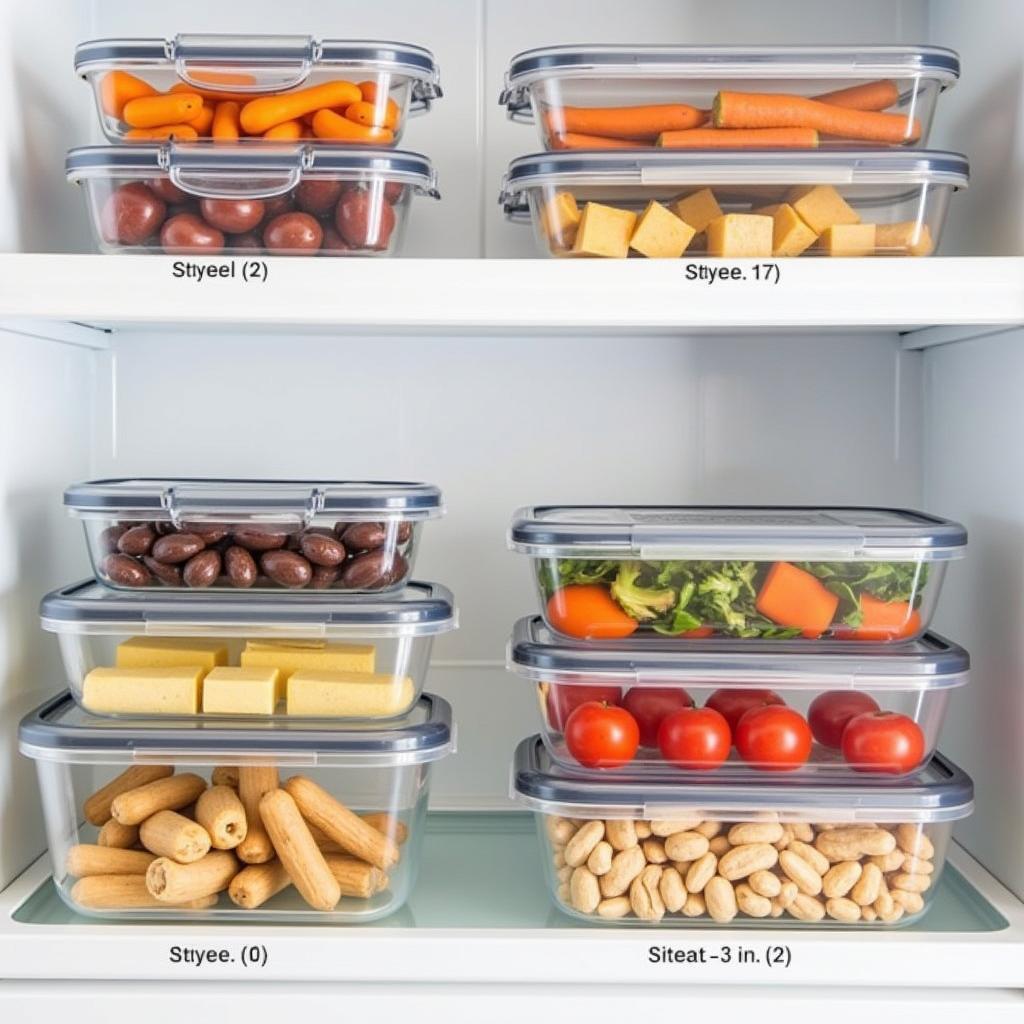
(229,822)
(836,853)
(657,710)
(187,534)
(227,87)
(220,654)
(294,199)
(749,572)
(588,97)
(729,203)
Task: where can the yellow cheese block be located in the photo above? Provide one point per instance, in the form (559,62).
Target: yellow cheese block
(604,231)
(348,694)
(698,209)
(169,652)
(907,236)
(317,656)
(660,234)
(790,235)
(144,691)
(230,690)
(560,217)
(849,240)
(821,206)
(740,235)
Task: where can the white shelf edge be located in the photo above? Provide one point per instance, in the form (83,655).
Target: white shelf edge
(62,332)
(933,337)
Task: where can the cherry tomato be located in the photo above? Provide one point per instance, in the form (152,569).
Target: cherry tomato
(696,739)
(734,704)
(829,712)
(563,699)
(589,611)
(602,735)
(650,704)
(774,738)
(883,741)
(236,216)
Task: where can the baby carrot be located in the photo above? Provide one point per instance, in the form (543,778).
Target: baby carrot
(225,121)
(739,138)
(883,620)
(181,132)
(329,125)
(215,95)
(286,131)
(646,122)
(263,113)
(793,597)
(203,120)
(223,77)
(155,111)
(771,110)
(117,88)
(573,140)
(369,92)
(870,96)
(373,116)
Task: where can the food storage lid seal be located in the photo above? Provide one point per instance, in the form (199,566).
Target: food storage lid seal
(654,532)
(930,663)
(59,730)
(938,792)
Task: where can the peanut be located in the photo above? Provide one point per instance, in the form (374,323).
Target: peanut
(756,832)
(840,879)
(654,851)
(626,865)
(764,883)
(912,840)
(720,900)
(787,893)
(806,908)
(694,905)
(558,858)
(686,846)
(616,907)
(787,838)
(910,883)
(884,903)
(892,915)
(560,831)
(916,865)
(600,860)
(852,843)
(911,902)
(841,909)
(672,890)
(868,887)
(796,869)
(663,828)
(643,830)
(806,852)
(889,861)
(563,892)
(720,845)
(621,833)
(580,847)
(868,914)
(564,873)
(709,829)
(741,861)
(644,895)
(777,908)
(701,872)
(584,893)
(751,903)
(802,831)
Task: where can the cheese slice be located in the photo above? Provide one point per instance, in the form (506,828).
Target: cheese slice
(848,240)
(349,694)
(289,657)
(821,206)
(604,231)
(660,234)
(230,690)
(698,209)
(144,691)
(169,652)
(790,235)
(740,235)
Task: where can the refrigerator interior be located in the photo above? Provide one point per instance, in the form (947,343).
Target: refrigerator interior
(506,417)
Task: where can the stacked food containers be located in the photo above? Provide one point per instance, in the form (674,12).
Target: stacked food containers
(245,730)
(242,145)
(712,151)
(740,709)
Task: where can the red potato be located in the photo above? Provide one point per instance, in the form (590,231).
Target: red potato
(189,234)
(131,214)
(293,233)
(333,242)
(365,220)
(235,216)
(318,195)
(168,191)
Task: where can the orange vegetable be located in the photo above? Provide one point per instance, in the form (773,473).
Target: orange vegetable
(573,140)
(646,122)
(771,110)
(588,611)
(203,120)
(260,114)
(181,132)
(225,121)
(117,88)
(883,620)
(156,111)
(740,138)
(371,115)
(222,77)
(329,125)
(870,96)
(216,95)
(287,131)
(792,597)
(369,91)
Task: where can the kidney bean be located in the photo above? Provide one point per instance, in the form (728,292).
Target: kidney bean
(124,571)
(286,568)
(177,547)
(202,570)
(137,541)
(240,567)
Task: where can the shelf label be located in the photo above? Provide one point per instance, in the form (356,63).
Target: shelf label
(726,273)
(723,954)
(245,270)
(255,955)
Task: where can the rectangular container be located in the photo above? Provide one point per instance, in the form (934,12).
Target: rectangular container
(826,684)
(384,773)
(293,199)
(727,203)
(339,535)
(762,853)
(693,572)
(381,642)
(369,87)
(587,96)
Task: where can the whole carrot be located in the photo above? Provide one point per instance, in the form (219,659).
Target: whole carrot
(118,87)
(260,114)
(573,140)
(646,122)
(740,138)
(329,125)
(778,110)
(156,111)
(225,121)
(869,96)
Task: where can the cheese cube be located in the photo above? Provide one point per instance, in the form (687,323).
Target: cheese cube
(740,234)
(230,690)
(698,209)
(170,651)
(348,694)
(821,206)
(560,218)
(293,657)
(907,236)
(604,231)
(660,234)
(790,235)
(144,691)
(849,240)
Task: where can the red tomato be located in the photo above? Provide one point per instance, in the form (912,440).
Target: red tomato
(776,739)
(564,699)
(589,611)
(696,739)
(734,704)
(883,741)
(700,633)
(601,735)
(650,704)
(829,712)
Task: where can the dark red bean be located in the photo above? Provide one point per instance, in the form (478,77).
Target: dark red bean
(137,541)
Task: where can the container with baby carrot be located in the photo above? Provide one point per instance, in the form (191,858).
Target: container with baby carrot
(228,88)
(602,97)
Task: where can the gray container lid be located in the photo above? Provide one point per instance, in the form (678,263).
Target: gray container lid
(938,792)
(930,663)
(653,532)
(59,730)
